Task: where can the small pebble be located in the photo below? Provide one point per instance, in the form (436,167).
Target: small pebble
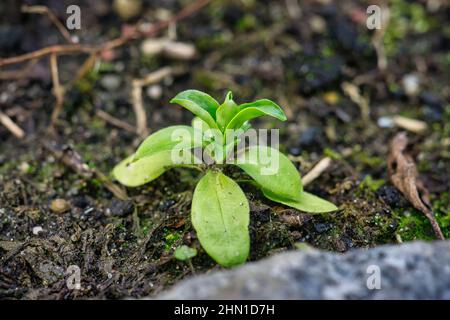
(150,47)
(331,97)
(121,208)
(37,230)
(411,84)
(24,167)
(318,24)
(385,122)
(154,92)
(110,82)
(59,206)
(180,50)
(127,9)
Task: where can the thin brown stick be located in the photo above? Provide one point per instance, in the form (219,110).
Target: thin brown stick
(51,15)
(18,74)
(378,38)
(58,90)
(136,95)
(11,125)
(138,108)
(137,101)
(114,121)
(85,67)
(59,49)
(154,77)
(316,171)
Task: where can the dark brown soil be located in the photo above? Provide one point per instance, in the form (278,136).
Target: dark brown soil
(125,248)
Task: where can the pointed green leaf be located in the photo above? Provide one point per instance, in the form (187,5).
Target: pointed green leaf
(220,216)
(200,104)
(256,109)
(170,138)
(306,202)
(134,173)
(226,111)
(272,171)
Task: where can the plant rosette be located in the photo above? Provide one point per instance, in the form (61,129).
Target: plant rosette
(220,211)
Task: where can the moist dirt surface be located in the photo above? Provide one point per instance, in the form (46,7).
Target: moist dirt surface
(54,220)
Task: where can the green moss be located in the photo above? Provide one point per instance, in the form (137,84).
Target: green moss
(146,226)
(372,184)
(332,154)
(247,22)
(413,225)
(405,18)
(371,161)
(171,238)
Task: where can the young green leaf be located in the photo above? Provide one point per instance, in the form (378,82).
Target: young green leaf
(272,171)
(170,138)
(200,104)
(134,173)
(306,202)
(226,111)
(220,216)
(256,109)
(184,253)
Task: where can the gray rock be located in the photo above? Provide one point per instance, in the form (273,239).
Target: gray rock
(415,270)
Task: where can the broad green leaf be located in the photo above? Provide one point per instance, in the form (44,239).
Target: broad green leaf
(184,253)
(226,111)
(256,109)
(170,138)
(200,104)
(306,202)
(272,171)
(220,216)
(134,173)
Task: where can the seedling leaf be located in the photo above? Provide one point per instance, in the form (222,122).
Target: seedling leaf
(200,104)
(305,202)
(272,171)
(184,253)
(170,138)
(220,216)
(259,108)
(226,111)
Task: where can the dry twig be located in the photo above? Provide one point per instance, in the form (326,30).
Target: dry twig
(316,171)
(51,15)
(378,38)
(11,125)
(114,121)
(136,95)
(353,92)
(403,174)
(58,90)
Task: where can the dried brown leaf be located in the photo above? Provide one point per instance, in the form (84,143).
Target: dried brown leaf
(403,174)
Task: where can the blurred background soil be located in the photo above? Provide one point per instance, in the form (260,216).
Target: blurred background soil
(308,56)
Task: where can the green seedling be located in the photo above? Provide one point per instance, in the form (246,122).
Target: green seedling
(220,211)
(184,253)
